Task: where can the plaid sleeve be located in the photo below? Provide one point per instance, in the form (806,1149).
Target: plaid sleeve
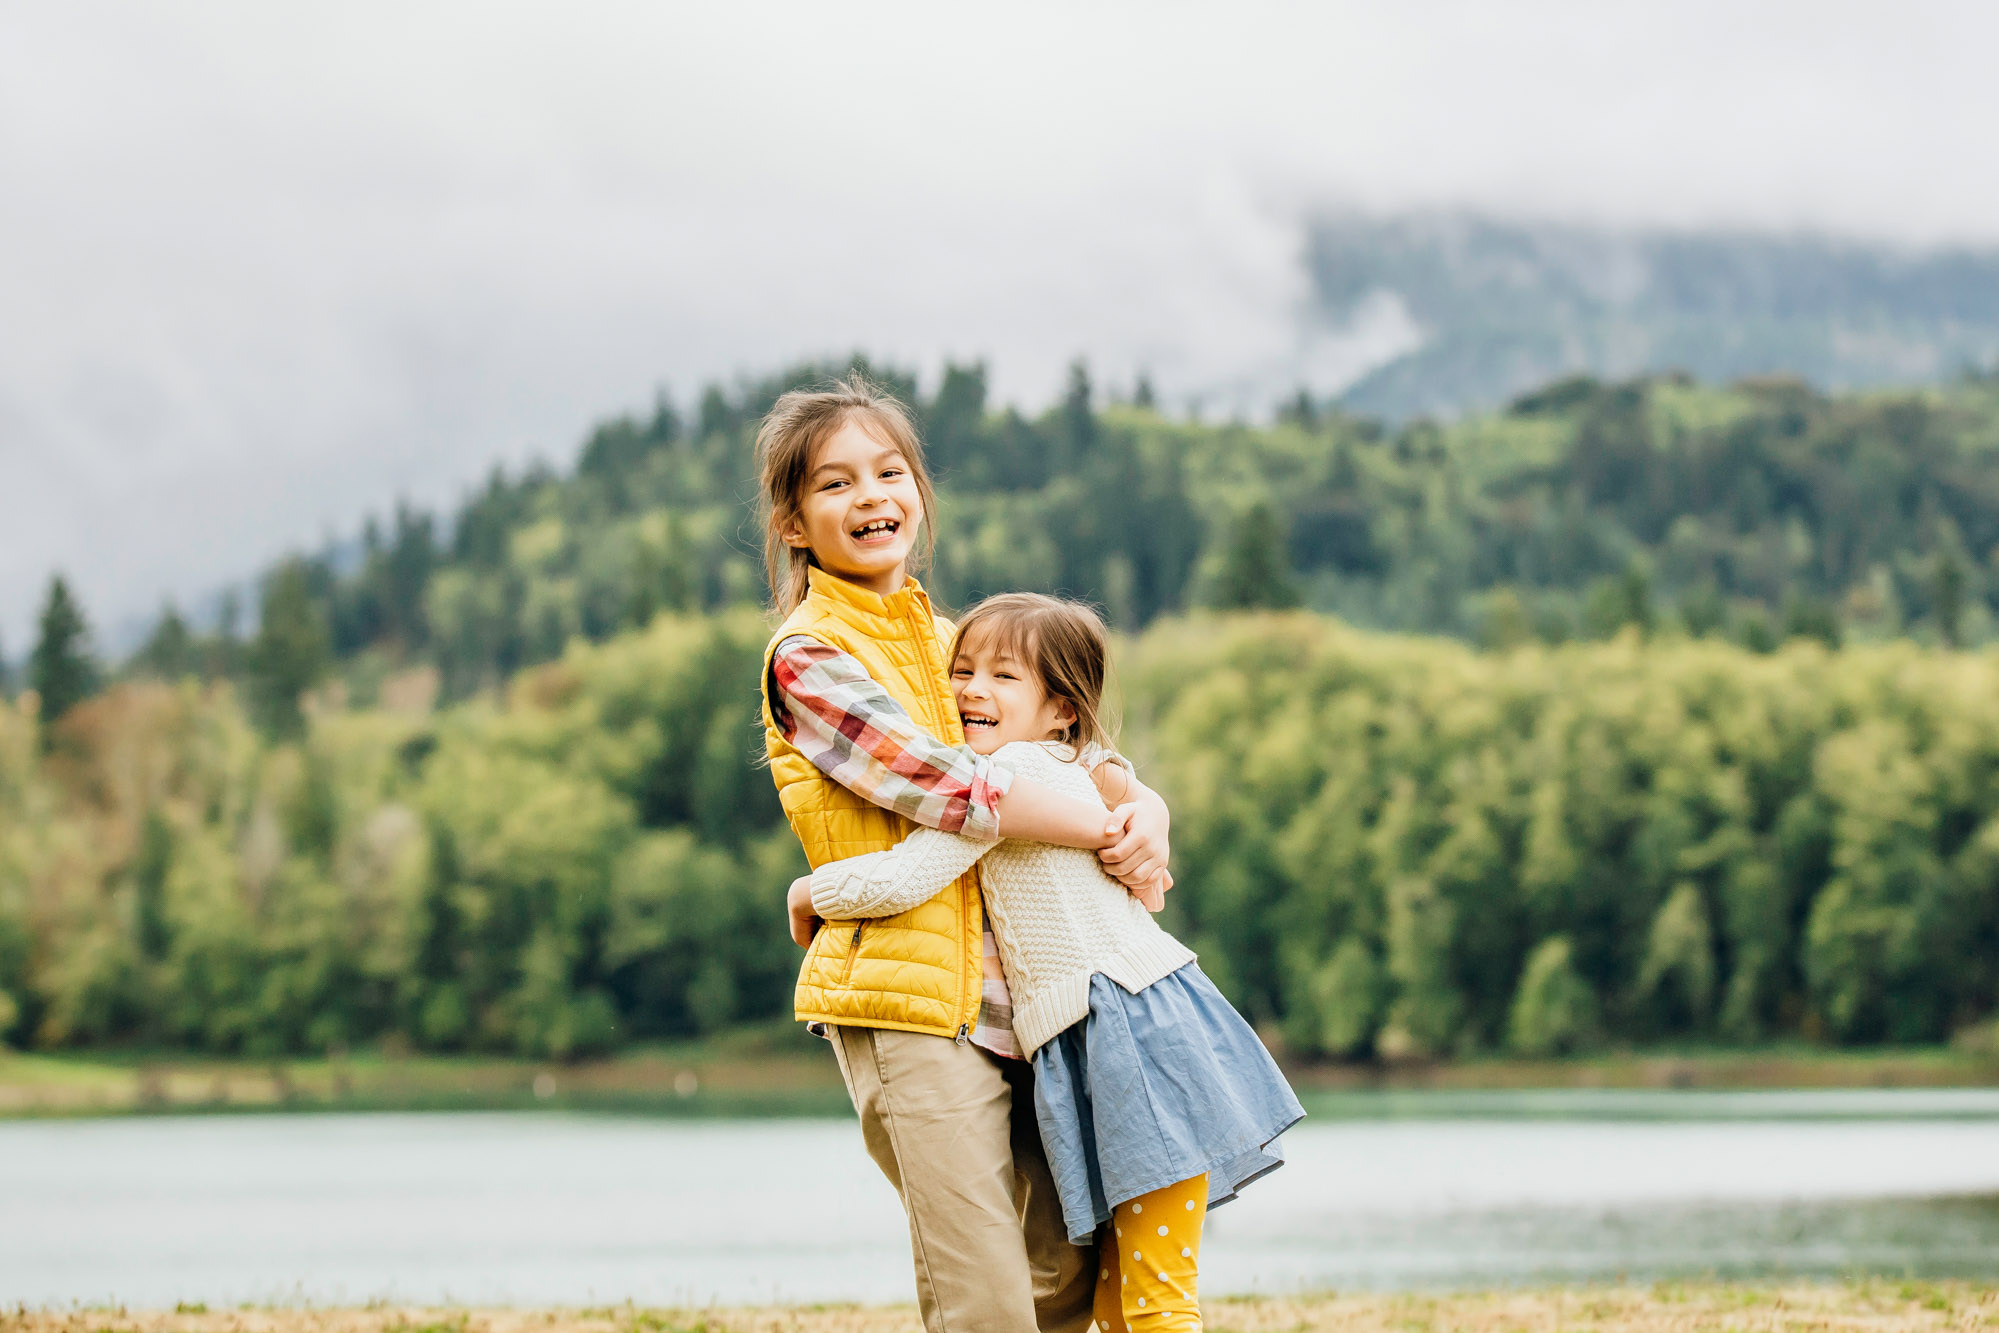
(840,717)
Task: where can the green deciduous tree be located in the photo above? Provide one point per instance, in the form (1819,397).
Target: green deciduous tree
(1676,978)
(1554,1010)
(1346,992)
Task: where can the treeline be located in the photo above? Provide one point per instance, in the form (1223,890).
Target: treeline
(1757,513)
(1386,846)
(591,859)
(1397,846)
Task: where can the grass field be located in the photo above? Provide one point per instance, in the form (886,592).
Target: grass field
(778,1070)
(1857,1307)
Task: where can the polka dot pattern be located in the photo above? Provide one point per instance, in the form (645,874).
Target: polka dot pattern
(1157,1282)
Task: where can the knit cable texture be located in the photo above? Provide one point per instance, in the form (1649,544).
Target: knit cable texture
(1058,915)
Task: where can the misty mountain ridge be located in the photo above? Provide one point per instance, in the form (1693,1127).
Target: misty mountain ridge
(1475,311)
(1450,316)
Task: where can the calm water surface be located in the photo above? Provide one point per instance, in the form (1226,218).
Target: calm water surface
(1395,1192)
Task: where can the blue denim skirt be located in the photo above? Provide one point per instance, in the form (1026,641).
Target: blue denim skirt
(1155,1088)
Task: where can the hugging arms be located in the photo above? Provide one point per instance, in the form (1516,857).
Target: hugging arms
(856,733)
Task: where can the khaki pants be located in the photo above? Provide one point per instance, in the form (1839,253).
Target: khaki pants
(953,1130)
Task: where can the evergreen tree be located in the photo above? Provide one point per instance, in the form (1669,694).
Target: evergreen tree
(62,671)
(169,650)
(1701,609)
(1078,417)
(290,653)
(664,427)
(1947,592)
(406,575)
(718,417)
(223,657)
(1301,410)
(1142,396)
(954,425)
(6,674)
(1254,569)
(1808,617)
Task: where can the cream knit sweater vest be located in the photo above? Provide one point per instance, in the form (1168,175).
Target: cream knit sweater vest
(1058,917)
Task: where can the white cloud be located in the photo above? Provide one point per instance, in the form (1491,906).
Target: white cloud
(262,268)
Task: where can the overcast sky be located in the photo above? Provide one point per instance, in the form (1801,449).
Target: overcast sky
(264,268)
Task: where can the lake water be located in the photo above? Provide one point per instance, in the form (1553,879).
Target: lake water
(1397,1191)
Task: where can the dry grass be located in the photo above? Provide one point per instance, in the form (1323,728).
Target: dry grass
(1858,1307)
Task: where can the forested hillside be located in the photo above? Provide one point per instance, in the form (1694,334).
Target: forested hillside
(1698,745)
(1754,512)
(1385,846)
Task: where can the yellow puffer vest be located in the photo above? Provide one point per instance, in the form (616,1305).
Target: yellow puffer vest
(919,971)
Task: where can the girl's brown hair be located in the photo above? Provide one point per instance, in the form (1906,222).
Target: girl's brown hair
(788,440)
(1062,642)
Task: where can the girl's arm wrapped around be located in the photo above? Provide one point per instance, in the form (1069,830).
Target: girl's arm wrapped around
(907,875)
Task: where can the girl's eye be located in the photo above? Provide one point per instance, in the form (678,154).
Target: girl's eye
(1006,675)
(892,472)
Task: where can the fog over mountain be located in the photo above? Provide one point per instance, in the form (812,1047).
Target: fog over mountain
(1486,309)
(264,269)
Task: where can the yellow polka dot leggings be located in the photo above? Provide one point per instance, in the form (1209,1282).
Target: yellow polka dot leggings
(1151,1254)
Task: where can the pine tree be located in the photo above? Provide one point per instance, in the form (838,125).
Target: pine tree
(1078,417)
(61,672)
(406,577)
(169,651)
(290,652)
(1301,410)
(223,655)
(1255,571)
(1947,591)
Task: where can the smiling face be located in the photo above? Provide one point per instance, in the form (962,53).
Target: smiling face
(860,510)
(1001,698)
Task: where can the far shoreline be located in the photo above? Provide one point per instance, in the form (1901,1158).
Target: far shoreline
(776,1071)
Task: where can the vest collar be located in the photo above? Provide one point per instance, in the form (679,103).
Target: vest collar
(858,606)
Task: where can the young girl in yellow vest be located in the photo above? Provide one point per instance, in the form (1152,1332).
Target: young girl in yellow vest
(865,745)
(1156,1101)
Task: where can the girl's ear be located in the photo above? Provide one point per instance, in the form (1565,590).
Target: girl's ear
(792,533)
(1065,713)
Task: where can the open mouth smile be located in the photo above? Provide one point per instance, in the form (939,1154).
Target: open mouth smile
(876,530)
(978,722)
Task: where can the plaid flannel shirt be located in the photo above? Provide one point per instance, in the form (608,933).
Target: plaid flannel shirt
(839,717)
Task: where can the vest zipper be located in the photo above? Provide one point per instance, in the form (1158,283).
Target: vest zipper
(853,951)
(920,633)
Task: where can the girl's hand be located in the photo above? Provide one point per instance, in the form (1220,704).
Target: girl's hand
(1137,856)
(798,905)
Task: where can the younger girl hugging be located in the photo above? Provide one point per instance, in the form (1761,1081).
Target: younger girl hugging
(1154,1098)
(865,746)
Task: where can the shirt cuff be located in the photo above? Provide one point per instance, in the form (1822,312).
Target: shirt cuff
(990,782)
